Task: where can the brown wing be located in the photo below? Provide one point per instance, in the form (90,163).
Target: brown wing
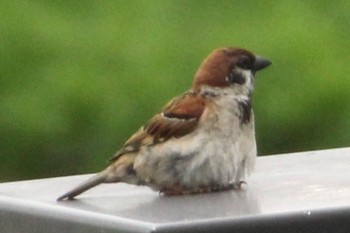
(178,118)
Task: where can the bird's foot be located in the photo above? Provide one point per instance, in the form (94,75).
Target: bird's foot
(181,190)
(241,185)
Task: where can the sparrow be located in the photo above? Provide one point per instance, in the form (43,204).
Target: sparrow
(201,141)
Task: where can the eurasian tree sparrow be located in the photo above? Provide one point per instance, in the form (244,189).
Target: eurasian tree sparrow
(202,141)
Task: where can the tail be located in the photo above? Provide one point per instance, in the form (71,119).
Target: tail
(92,182)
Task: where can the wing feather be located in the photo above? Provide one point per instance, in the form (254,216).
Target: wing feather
(178,118)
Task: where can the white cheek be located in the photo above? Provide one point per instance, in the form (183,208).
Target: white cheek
(248,86)
(248,76)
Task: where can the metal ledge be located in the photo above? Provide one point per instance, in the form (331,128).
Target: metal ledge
(299,192)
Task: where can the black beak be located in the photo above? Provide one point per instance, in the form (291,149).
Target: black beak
(260,63)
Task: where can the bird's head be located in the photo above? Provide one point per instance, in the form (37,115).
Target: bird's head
(230,69)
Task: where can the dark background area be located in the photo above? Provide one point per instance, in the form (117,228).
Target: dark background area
(77,78)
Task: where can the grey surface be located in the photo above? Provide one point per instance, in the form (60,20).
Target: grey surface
(300,192)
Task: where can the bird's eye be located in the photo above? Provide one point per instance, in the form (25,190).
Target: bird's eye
(244,63)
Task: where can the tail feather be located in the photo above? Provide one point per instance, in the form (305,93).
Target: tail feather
(92,182)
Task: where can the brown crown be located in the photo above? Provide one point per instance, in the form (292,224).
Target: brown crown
(217,66)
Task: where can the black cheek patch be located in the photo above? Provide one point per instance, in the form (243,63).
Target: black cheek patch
(236,78)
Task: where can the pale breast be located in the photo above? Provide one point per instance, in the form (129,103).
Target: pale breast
(216,154)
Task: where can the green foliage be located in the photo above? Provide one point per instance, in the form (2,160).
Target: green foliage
(79,77)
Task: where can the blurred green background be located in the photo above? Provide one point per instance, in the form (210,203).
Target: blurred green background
(79,77)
